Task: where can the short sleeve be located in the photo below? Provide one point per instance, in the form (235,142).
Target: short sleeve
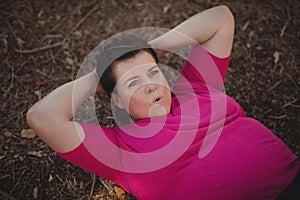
(95,154)
(206,68)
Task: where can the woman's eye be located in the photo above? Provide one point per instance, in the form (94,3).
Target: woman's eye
(152,73)
(133,83)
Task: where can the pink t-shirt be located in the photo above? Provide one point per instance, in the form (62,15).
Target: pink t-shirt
(205,148)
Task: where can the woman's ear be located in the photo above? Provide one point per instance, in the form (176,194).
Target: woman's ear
(115,97)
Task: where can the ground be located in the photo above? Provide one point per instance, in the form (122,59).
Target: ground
(42,44)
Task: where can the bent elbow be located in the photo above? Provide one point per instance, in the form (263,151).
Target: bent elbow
(227,14)
(36,119)
(32,117)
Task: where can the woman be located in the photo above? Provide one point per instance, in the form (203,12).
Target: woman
(193,142)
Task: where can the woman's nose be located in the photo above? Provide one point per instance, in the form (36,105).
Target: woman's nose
(150,87)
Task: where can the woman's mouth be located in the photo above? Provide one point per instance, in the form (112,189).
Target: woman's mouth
(157,100)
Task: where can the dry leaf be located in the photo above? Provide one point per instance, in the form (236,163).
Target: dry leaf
(36,153)
(119,193)
(57,17)
(21,158)
(35,192)
(98,197)
(4,49)
(2,140)
(7,134)
(38,93)
(40,13)
(20,42)
(50,178)
(41,22)
(276,55)
(251,34)
(166,8)
(246,25)
(28,133)
(69,61)
(37,81)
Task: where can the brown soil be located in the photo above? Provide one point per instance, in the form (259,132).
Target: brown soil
(42,44)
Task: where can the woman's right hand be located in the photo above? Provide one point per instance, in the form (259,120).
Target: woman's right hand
(99,88)
(160,52)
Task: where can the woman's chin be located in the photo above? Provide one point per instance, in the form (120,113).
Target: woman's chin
(158,110)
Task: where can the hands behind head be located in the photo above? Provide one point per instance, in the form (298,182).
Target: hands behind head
(99,88)
(160,52)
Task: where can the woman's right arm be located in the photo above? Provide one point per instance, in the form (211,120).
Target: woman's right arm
(51,117)
(213,29)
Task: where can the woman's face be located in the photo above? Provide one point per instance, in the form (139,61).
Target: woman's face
(141,88)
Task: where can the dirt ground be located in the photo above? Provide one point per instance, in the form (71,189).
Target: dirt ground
(42,44)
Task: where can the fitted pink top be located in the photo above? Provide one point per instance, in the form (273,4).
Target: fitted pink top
(205,148)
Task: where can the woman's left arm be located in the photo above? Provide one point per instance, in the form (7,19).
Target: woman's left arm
(212,28)
(51,117)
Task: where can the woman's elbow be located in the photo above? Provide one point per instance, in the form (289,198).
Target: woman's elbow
(32,117)
(35,118)
(227,15)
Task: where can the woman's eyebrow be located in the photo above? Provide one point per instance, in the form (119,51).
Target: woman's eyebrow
(134,77)
(131,78)
(155,66)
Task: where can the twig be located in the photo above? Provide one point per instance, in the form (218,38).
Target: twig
(271,2)
(25,183)
(16,185)
(270,110)
(3,194)
(290,77)
(42,182)
(285,24)
(284,27)
(93,184)
(290,103)
(80,22)
(15,116)
(110,190)
(52,57)
(43,48)
(295,106)
(275,85)
(51,36)
(12,31)
(12,95)
(43,73)
(12,73)
(278,117)
(246,25)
